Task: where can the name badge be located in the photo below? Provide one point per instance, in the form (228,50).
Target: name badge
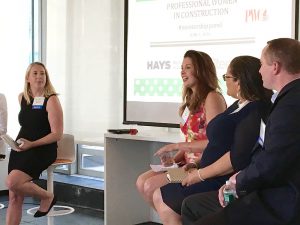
(262,133)
(38,102)
(185,115)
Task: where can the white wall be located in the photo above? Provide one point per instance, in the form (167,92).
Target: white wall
(85,61)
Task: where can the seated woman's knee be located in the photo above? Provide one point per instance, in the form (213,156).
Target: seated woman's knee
(140,183)
(12,183)
(149,187)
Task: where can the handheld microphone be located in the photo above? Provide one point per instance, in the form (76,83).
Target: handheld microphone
(123,131)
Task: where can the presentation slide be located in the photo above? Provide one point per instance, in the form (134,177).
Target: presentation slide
(159,32)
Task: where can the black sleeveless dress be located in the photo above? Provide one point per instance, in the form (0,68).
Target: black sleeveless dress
(34,125)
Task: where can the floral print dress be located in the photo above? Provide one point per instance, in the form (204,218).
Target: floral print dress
(194,129)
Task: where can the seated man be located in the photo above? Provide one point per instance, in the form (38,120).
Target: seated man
(268,188)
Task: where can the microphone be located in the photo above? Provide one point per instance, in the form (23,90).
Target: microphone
(123,131)
(2,156)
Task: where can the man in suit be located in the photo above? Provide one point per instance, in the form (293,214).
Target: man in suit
(268,188)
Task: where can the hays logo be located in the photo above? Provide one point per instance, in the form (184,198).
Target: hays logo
(158,65)
(255,15)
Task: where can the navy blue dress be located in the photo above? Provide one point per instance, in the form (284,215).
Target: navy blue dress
(34,125)
(232,131)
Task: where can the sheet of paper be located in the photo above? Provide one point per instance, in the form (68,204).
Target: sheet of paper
(159,168)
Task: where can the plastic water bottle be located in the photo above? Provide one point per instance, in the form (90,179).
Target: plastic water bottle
(229,193)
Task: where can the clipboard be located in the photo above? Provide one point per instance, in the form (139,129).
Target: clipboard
(10,142)
(176,175)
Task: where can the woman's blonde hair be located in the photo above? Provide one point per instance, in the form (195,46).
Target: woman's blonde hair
(48,89)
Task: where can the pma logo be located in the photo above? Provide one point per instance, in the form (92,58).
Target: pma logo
(256,15)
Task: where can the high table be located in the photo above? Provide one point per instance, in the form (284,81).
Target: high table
(126,157)
(3,173)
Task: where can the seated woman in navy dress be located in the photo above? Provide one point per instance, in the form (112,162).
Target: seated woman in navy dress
(231,135)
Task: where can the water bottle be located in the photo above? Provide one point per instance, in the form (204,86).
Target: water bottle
(229,193)
(167,159)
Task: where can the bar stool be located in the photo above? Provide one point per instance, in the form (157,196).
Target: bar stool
(65,156)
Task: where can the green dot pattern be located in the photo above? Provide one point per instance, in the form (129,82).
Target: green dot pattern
(158,87)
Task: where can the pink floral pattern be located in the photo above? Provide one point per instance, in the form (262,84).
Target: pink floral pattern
(194,129)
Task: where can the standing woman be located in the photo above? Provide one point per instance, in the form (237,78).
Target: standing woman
(202,101)
(41,121)
(3,125)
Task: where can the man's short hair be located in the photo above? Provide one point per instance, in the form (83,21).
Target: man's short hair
(285,51)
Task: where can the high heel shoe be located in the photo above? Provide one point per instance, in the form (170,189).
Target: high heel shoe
(40,213)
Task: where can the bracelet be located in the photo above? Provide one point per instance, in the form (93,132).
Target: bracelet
(199,175)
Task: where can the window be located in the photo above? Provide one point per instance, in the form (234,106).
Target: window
(90,160)
(19,44)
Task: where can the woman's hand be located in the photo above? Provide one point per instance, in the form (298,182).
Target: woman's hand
(192,178)
(24,144)
(166,148)
(189,166)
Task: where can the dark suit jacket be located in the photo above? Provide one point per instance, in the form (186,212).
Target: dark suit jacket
(269,188)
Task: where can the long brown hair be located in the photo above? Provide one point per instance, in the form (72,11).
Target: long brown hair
(205,73)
